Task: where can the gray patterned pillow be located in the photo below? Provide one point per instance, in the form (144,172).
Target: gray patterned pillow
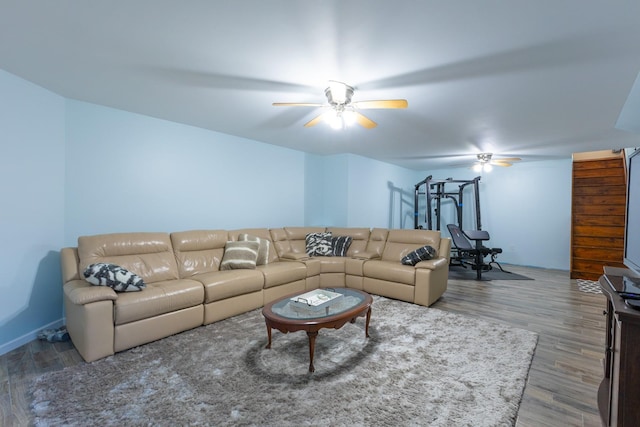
(239,255)
(421,254)
(318,244)
(263,250)
(113,276)
(340,245)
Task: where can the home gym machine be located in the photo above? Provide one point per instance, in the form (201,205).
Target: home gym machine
(463,253)
(435,190)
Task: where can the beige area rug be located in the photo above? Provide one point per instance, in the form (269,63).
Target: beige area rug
(420,367)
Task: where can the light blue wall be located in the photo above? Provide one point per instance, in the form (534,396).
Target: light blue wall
(326,190)
(352,191)
(127,172)
(314,213)
(380,194)
(32,213)
(526,209)
(531,213)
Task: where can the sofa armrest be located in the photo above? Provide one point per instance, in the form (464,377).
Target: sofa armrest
(433,264)
(294,256)
(366,255)
(445,248)
(80,292)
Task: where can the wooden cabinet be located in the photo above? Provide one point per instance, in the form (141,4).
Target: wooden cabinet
(619,392)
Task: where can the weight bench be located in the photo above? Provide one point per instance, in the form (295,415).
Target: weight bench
(473,255)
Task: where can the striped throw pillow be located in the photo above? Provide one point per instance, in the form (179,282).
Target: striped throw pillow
(340,245)
(263,250)
(239,255)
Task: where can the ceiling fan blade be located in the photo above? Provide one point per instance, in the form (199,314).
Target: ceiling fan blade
(296,104)
(314,121)
(364,121)
(387,103)
(508,159)
(500,163)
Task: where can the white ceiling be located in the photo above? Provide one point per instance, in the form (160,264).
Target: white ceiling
(537,79)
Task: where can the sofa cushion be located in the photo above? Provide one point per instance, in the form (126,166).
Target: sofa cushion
(149,255)
(113,276)
(332,264)
(359,238)
(340,245)
(281,244)
(240,255)
(199,251)
(280,273)
(402,241)
(157,299)
(318,244)
(377,241)
(225,284)
(293,239)
(263,248)
(424,253)
(390,271)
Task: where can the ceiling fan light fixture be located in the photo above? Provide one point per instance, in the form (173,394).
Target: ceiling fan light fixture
(335,120)
(484,163)
(339,117)
(484,157)
(349,117)
(338,93)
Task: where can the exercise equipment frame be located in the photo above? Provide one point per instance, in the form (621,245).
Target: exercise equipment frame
(435,189)
(439,185)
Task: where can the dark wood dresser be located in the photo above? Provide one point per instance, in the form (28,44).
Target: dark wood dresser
(619,392)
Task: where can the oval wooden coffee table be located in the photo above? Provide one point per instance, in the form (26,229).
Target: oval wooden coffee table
(285,316)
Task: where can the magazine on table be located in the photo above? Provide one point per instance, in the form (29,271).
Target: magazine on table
(316,298)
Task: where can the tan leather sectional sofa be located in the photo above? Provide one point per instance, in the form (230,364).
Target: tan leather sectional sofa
(186,289)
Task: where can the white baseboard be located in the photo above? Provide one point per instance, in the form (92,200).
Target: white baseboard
(28,337)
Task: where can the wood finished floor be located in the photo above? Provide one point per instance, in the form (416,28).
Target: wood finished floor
(565,372)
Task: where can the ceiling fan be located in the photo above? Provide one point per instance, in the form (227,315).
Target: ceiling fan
(342,112)
(485,162)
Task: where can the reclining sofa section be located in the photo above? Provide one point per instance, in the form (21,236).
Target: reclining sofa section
(185,287)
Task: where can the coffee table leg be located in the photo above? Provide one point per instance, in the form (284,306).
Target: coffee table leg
(312,347)
(366,328)
(269,334)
